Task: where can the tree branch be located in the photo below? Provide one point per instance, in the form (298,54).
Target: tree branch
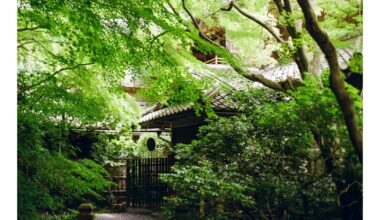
(258,21)
(204,36)
(300,55)
(300,50)
(228,8)
(346,191)
(251,76)
(156,37)
(25,43)
(336,81)
(277,86)
(173,9)
(51,76)
(29,41)
(29,29)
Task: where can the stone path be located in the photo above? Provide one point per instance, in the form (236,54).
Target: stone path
(123,216)
(131,214)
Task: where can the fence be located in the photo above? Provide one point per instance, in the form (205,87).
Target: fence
(217,60)
(143,188)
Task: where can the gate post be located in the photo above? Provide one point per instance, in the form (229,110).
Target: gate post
(127,182)
(85,212)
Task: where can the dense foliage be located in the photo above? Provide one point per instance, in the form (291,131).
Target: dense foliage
(72,56)
(266,163)
(69,72)
(50,181)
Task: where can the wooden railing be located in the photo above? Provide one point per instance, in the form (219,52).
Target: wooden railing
(217,60)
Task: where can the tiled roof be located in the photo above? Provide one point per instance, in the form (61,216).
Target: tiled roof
(165,112)
(223,102)
(219,102)
(237,82)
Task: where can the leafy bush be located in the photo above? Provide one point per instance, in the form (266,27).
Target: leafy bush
(53,183)
(203,193)
(266,159)
(48,181)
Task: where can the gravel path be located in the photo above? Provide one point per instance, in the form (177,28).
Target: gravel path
(123,216)
(131,214)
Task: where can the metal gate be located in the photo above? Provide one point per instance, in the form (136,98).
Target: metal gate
(143,186)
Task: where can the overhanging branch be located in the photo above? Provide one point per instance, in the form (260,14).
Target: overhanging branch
(278,86)
(285,9)
(51,76)
(204,36)
(258,21)
(29,28)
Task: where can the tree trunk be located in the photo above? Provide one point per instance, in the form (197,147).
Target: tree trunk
(300,56)
(202,205)
(315,64)
(336,81)
(347,182)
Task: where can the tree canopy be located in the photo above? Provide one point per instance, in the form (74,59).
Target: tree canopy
(73,54)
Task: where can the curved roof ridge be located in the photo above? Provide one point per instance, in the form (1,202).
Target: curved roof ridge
(279,72)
